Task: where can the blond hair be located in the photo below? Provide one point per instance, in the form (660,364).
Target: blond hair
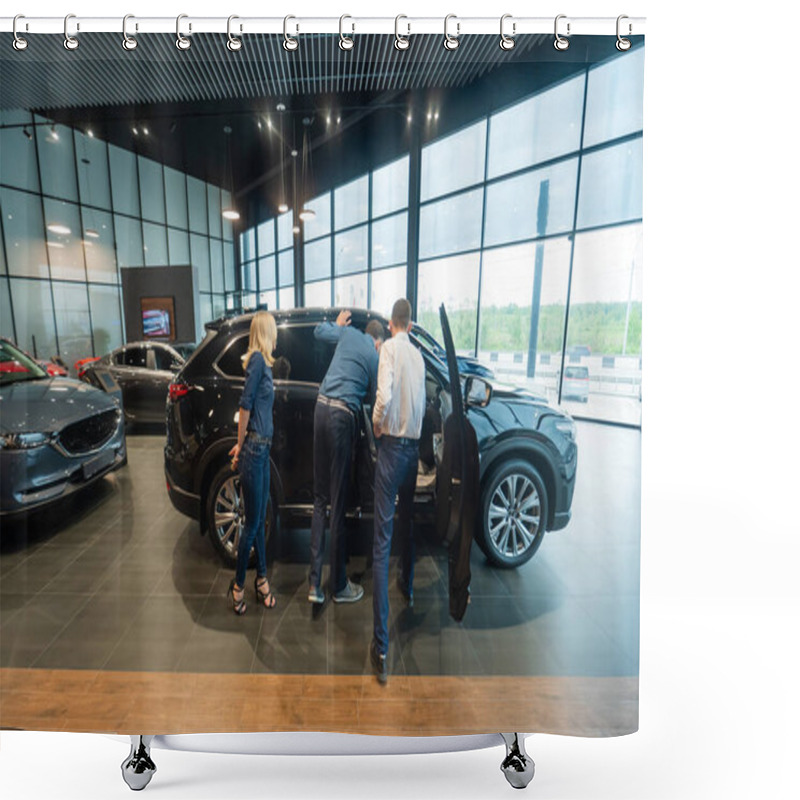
(263,338)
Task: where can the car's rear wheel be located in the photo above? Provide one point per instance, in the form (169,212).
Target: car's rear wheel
(513,513)
(225,516)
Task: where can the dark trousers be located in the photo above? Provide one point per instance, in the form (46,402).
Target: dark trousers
(334,431)
(395,476)
(254,480)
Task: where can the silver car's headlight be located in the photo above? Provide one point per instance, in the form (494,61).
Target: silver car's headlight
(23,441)
(567,428)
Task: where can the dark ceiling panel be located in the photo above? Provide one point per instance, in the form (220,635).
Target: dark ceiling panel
(100,73)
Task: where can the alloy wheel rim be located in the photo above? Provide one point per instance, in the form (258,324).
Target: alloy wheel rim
(514,515)
(229,515)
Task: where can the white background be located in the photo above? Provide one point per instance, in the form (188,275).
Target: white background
(720,605)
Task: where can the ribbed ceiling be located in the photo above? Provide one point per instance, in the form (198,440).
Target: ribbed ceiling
(100,73)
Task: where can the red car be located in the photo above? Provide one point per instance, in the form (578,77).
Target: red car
(53,368)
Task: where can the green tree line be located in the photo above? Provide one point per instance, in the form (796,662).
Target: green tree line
(600,326)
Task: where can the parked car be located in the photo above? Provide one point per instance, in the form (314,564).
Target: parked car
(57,435)
(54,367)
(528,454)
(576,384)
(144,371)
(467,365)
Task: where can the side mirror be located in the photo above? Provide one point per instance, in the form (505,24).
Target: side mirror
(477,392)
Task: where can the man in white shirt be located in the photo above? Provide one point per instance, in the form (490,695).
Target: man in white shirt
(397,422)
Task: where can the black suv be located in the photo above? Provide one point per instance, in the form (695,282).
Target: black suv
(527,450)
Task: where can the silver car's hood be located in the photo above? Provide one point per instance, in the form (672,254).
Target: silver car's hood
(47,405)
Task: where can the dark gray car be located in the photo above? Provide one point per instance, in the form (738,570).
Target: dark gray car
(57,435)
(144,371)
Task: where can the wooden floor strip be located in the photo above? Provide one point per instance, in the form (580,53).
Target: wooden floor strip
(168,702)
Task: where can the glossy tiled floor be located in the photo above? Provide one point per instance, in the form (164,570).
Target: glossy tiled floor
(121,581)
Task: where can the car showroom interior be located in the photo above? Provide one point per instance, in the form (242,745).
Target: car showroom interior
(146,211)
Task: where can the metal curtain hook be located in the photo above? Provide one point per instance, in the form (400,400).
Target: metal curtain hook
(450,41)
(19,43)
(70,42)
(128,42)
(561,43)
(345,42)
(233,44)
(289,43)
(623,43)
(507,42)
(181,42)
(401,42)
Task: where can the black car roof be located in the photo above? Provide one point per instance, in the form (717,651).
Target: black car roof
(297,316)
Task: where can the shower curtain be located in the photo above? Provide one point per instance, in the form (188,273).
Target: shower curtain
(157,187)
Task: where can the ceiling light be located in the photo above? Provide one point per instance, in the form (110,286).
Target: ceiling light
(259,124)
(54,133)
(296,230)
(338,120)
(408,118)
(436,115)
(231,214)
(146,131)
(294,153)
(430,116)
(90,133)
(281,107)
(307,214)
(57,245)
(282,208)
(91,233)
(135,131)
(61,230)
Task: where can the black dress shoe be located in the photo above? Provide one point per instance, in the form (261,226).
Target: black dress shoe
(407,596)
(378,663)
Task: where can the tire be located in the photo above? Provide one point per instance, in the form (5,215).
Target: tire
(513,514)
(224,498)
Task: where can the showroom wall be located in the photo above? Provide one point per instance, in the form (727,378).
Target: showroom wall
(75,211)
(532,239)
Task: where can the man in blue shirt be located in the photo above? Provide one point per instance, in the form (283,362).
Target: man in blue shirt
(353,372)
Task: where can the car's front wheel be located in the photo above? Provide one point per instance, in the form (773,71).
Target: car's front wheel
(225,515)
(514,514)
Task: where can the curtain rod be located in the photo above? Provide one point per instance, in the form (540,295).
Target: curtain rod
(404,26)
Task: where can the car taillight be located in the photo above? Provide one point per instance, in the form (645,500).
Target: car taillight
(178,390)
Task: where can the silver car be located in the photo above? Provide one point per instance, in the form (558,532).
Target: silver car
(57,435)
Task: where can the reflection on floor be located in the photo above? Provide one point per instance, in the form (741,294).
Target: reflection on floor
(122,581)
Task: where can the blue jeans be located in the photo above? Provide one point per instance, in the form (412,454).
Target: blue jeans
(254,477)
(334,432)
(395,476)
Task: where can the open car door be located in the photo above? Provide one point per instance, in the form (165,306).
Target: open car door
(458,485)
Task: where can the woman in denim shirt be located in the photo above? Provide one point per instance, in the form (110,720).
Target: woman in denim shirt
(250,455)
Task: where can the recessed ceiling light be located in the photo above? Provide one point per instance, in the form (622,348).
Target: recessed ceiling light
(61,230)
(230,213)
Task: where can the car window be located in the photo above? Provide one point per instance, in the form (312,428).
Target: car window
(135,357)
(298,355)
(165,360)
(576,372)
(308,358)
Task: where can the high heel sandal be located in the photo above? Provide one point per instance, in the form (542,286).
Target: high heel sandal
(267,599)
(239,606)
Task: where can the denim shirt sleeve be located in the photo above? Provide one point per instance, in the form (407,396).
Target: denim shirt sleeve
(328,332)
(255,369)
(373,377)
